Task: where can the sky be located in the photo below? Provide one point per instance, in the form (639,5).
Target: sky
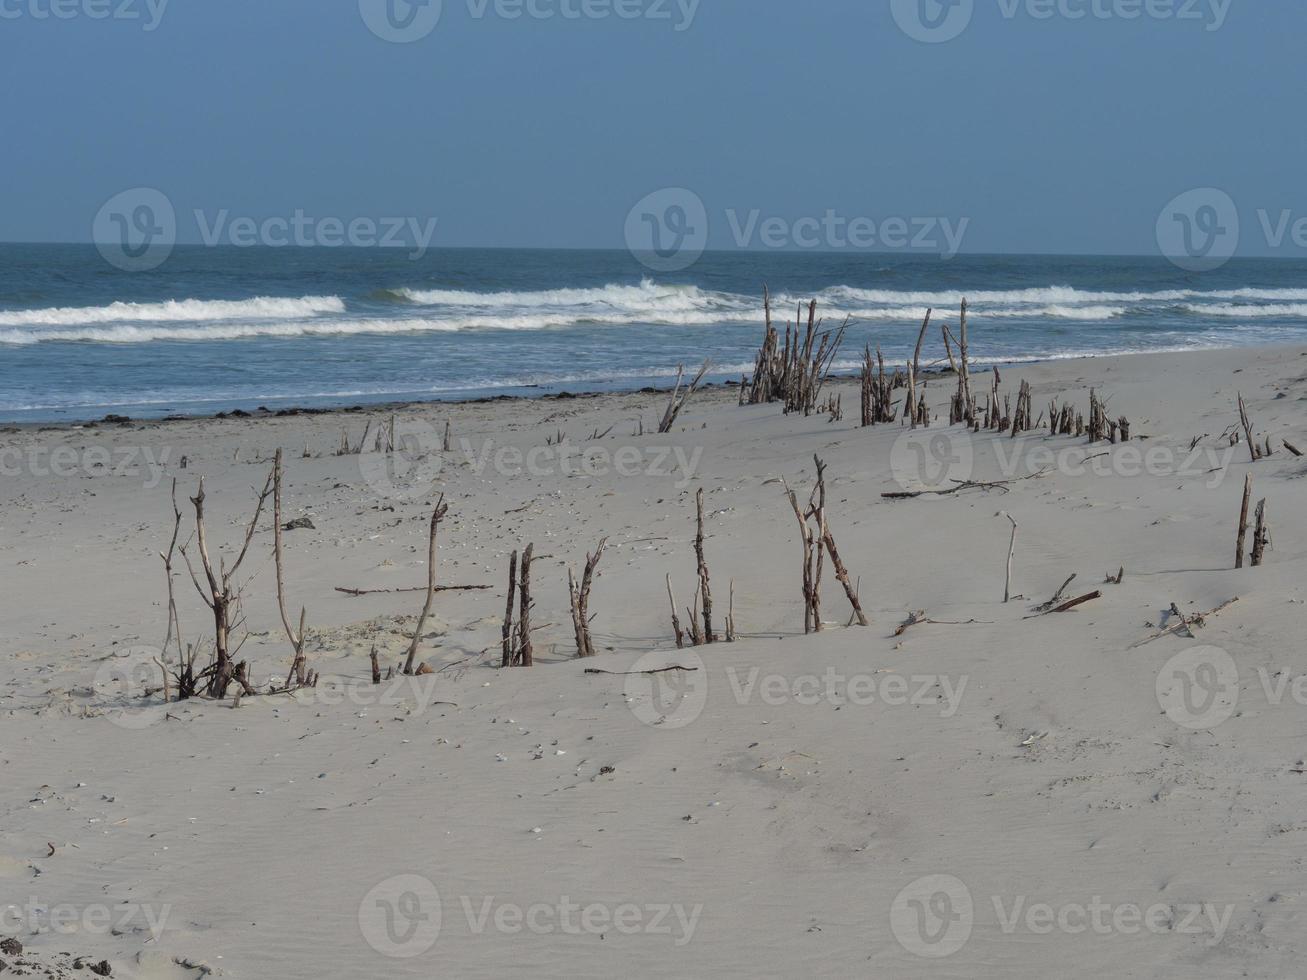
(1036,126)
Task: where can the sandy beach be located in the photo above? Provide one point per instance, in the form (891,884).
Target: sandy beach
(991,792)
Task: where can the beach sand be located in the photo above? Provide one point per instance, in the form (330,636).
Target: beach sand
(1032,796)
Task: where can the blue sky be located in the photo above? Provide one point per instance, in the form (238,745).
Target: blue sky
(1047,133)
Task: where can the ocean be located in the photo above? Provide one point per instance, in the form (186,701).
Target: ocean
(216,329)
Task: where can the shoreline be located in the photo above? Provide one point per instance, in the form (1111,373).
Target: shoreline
(979,366)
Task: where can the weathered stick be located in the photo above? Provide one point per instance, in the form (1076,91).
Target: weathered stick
(508,612)
(1011,553)
(580,599)
(1068,606)
(1186,624)
(679,400)
(1253,450)
(676,620)
(441,509)
(525,649)
(1243,521)
(298,674)
(704,587)
(356,593)
(1261,535)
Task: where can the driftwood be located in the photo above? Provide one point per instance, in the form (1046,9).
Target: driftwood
(676,620)
(524,656)
(1068,606)
(1261,535)
(817,541)
(1291,447)
(1242,535)
(1186,623)
(918,618)
(1254,450)
(1057,596)
(964,485)
(223,597)
(1011,554)
(356,593)
(509,649)
(796,372)
(579,593)
(705,589)
(518,650)
(680,399)
(910,410)
(730,615)
(173,630)
(812,565)
(635,673)
(299,675)
(437,514)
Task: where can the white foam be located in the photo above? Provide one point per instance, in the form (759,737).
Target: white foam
(1232,309)
(176,311)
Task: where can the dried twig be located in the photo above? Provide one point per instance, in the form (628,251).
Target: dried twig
(440,510)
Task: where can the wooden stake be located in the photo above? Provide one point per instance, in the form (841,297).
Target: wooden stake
(1261,535)
(704,588)
(1243,521)
(676,620)
(441,509)
(508,613)
(525,651)
(1011,553)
